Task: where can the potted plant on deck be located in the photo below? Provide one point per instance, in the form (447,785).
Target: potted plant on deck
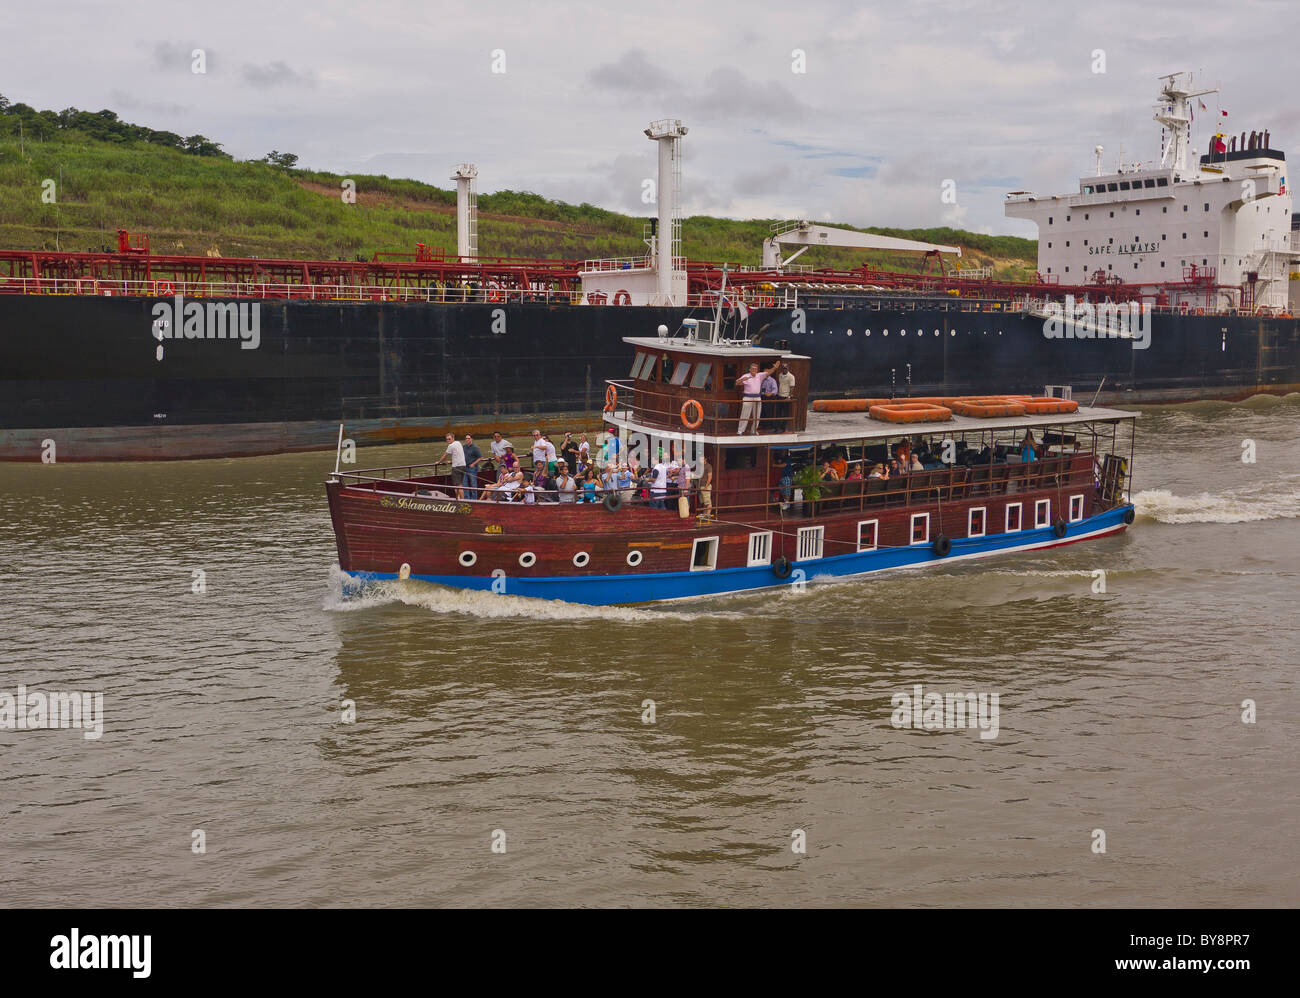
(808,482)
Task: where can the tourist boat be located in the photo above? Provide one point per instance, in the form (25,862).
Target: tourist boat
(761,528)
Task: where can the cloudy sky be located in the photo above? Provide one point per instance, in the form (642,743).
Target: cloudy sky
(894,98)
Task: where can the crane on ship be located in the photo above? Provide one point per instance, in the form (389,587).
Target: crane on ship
(805,235)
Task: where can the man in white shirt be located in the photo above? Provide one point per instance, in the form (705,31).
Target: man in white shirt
(659,487)
(751,392)
(499,445)
(455,452)
(785,397)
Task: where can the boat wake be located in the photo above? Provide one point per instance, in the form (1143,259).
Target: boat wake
(346,594)
(1266,501)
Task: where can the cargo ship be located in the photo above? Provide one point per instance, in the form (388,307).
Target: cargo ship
(1156,283)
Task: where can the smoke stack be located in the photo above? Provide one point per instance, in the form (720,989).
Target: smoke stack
(466,210)
(668,133)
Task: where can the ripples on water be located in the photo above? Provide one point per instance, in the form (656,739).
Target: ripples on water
(475,712)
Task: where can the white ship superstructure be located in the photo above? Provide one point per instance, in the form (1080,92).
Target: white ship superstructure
(1213,234)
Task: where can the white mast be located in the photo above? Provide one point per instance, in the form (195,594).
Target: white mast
(466,210)
(668,133)
(1174,112)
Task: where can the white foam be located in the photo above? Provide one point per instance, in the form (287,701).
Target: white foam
(1267,501)
(348,594)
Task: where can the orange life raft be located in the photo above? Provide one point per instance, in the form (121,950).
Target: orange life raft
(910,412)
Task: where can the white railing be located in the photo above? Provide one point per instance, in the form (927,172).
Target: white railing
(618,263)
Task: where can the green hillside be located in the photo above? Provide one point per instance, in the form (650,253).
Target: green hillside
(192,197)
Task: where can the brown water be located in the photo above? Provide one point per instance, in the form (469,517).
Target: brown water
(1118,711)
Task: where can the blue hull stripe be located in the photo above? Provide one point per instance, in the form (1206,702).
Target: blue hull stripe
(604,590)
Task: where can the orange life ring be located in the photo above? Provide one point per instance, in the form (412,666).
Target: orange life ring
(910,412)
(692,424)
(495,293)
(621,297)
(766,301)
(987,407)
(1047,406)
(611,398)
(163,289)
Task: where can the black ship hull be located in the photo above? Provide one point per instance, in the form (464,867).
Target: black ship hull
(85,371)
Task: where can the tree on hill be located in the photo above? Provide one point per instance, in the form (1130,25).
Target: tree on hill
(287,160)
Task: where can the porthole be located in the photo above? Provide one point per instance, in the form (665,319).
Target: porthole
(885,333)
(580,559)
(866,332)
(848,332)
(920,332)
(952,332)
(527,560)
(467,558)
(936,332)
(634,558)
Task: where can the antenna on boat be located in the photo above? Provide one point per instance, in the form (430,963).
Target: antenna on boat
(722,290)
(1094,398)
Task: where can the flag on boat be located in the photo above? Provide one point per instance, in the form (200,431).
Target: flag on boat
(1223,112)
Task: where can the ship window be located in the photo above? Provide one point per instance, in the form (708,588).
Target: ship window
(1042,512)
(1164,210)
(760,548)
(702,378)
(1076,508)
(1207,206)
(1067,218)
(1135,266)
(704,554)
(637,363)
(1148,182)
(1087,189)
(1049,219)
(1110,239)
(1112,214)
(1067,242)
(1085,216)
(1164,235)
(729,373)
(1162,263)
(1184,235)
(1049,245)
(1085,242)
(920,528)
(1012,523)
(680,371)
(1137,211)
(1162,181)
(1067,270)
(1112,187)
(810,542)
(975,522)
(1184,207)
(867,534)
(1123,185)
(739,457)
(1205,235)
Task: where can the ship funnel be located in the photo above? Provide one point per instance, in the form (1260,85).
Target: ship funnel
(466,210)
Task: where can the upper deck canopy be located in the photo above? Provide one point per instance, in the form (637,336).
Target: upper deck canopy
(720,349)
(834,427)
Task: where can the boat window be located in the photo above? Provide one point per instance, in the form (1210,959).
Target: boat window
(810,542)
(1148,182)
(1076,508)
(1123,185)
(647,367)
(867,534)
(975,522)
(1013,518)
(920,528)
(680,372)
(639,365)
(729,373)
(1162,181)
(1042,512)
(704,554)
(739,457)
(760,548)
(703,377)
(1112,187)
(666,369)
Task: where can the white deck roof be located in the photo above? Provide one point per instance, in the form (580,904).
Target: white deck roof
(838,427)
(703,346)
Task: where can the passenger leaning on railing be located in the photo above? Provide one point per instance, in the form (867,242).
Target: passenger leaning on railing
(751,390)
(454,453)
(564,483)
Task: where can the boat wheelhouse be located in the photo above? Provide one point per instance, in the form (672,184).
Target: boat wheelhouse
(767,520)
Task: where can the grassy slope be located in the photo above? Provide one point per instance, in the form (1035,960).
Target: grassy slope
(193,204)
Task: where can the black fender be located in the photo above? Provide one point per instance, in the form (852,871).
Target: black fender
(941,546)
(1059,527)
(782,568)
(613,501)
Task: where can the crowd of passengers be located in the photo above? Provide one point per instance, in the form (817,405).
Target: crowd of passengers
(570,473)
(908,457)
